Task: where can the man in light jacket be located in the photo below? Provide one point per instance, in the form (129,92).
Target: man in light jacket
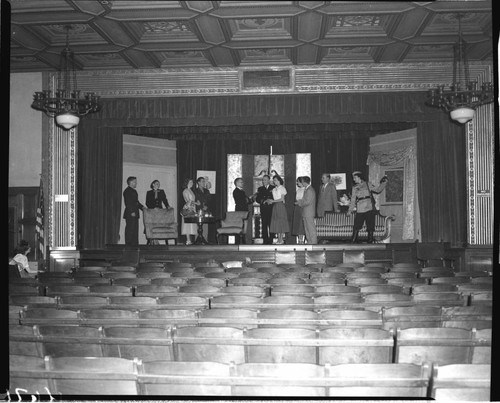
(327,197)
(308,203)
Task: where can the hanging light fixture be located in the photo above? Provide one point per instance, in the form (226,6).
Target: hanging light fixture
(463,96)
(65,104)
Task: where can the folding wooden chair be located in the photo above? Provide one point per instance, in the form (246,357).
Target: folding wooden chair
(461,382)
(49,316)
(237,318)
(356,345)
(274,345)
(351,318)
(169,378)
(25,378)
(251,290)
(439,345)
(481,352)
(467,317)
(215,344)
(92,375)
(293,289)
(169,281)
(295,318)
(214,282)
(411,317)
(183,302)
(23,342)
(378,380)
(336,289)
(70,341)
(82,302)
(236,301)
(346,301)
(155,291)
(278,379)
(144,343)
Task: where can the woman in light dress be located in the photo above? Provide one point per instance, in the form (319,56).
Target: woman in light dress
(189,230)
(279,219)
(298,224)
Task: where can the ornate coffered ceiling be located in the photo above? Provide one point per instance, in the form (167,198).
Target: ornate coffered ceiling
(126,34)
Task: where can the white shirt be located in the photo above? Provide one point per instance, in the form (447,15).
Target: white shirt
(21,261)
(300,193)
(279,191)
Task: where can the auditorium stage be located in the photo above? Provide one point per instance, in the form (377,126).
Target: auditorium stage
(331,254)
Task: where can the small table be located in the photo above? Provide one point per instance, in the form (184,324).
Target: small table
(200,239)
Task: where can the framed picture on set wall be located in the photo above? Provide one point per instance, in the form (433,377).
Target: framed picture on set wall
(209,180)
(339,181)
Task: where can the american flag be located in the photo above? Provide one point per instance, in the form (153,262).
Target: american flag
(40,250)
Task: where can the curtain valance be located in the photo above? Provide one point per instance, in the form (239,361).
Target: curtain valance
(264,109)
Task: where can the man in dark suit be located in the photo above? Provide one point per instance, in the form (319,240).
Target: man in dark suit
(202,195)
(131,213)
(264,193)
(241,200)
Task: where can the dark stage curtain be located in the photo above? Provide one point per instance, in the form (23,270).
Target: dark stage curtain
(100,167)
(334,128)
(441,181)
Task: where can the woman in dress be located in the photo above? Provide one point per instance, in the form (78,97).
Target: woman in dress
(298,224)
(279,219)
(189,230)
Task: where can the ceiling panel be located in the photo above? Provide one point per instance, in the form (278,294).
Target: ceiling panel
(110,34)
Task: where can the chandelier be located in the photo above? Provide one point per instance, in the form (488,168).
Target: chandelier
(66,104)
(463,96)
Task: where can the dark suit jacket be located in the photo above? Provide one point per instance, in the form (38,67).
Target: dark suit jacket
(203,196)
(262,195)
(241,200)
(151,202)
(132,204)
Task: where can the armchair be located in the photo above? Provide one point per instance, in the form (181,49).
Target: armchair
(159,224)
(235,224)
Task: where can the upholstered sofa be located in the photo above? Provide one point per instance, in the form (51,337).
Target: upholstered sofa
(338,227)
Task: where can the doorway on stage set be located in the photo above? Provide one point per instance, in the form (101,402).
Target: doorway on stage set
(252,168)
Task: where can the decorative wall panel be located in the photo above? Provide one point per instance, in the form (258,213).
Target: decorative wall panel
(304,79)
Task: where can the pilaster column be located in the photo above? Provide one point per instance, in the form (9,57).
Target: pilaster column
(480,171)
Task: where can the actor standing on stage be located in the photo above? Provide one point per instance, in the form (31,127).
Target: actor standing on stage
(241,200)
(279,217)
(131,213)
(308,204)
(202,195)
(327,198)
(363,203)
(265,192)
(297,222)
(156,197)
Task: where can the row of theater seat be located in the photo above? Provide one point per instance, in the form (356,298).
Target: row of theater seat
(122,377)
(278,344)
(478,317)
